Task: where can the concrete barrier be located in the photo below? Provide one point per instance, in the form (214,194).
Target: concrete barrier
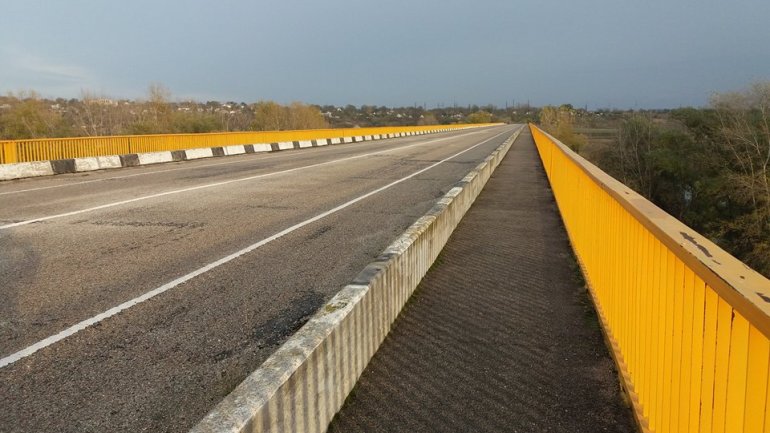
(73,165)
(235,150)
(97,163)
(205,152)
(305,382)
(154,157)
(25,169)
(261,148)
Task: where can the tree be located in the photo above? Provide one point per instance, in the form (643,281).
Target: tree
(271,116)
(187,123)
(744,126)
(158,100)
(98,115)
(154,116)
(707,167)
(303,116)
(29,117)
(268,116)
(560,123)
(479,117)
(428,119)
(637,138)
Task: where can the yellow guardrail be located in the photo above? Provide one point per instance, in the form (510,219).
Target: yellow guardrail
(78,147)
(687,322)
(7,152)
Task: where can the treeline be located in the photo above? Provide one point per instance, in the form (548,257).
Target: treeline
(27,115)
(708,167)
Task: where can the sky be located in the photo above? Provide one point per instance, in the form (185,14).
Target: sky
(594,53)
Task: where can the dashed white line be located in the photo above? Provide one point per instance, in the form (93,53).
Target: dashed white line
(170,285)
(214,184)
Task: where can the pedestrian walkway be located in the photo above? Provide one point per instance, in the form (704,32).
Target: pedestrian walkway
(500,336)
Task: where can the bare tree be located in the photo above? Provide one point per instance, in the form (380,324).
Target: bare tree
(745,128)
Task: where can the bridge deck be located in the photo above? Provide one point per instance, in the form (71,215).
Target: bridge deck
(500,335)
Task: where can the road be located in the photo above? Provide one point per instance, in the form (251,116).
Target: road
(134,300)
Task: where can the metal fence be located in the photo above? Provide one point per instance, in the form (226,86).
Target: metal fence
(687,322)
(64,148)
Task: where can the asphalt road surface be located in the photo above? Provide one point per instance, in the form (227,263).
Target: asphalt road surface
(134,300)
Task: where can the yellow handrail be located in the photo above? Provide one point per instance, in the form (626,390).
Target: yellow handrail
(689,324)
(77,147)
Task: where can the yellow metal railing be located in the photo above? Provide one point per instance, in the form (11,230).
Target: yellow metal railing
(77,147)
(687,322)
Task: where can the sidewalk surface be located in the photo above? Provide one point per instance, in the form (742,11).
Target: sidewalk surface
(500,336)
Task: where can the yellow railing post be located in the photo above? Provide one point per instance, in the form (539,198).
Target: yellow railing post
(8,153)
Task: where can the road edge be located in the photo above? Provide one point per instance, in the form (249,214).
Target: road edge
(304,383)
(21,170)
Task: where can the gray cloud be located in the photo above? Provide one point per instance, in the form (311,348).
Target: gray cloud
(599,53)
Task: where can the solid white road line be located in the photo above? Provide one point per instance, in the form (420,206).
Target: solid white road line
(215,184)
(170,285)
(190,167)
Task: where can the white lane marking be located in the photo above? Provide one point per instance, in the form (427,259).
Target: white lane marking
(215,184)
(190,167)
(170,285)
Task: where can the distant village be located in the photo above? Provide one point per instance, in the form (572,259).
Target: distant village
(27,115)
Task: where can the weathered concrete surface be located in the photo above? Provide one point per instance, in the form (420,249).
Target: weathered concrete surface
(500,335)
(163,364)
(305,382)
(25,169)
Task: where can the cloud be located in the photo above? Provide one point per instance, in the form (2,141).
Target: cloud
(52,71)
(26,70)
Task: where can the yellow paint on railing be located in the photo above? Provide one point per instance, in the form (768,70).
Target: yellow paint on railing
(8,151)
(688,324)
(78,147)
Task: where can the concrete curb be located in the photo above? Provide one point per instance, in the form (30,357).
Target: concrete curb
(25,169)
(305,382)
(76,165)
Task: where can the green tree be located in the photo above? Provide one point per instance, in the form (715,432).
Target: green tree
(427,119)
(187,123)
(30,117)
(707,167)
(479,117)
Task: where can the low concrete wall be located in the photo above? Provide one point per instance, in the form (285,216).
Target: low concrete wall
(205,152)
(305,382)
(25,169)
(154,157)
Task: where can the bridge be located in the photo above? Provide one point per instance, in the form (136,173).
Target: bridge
(227,294)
